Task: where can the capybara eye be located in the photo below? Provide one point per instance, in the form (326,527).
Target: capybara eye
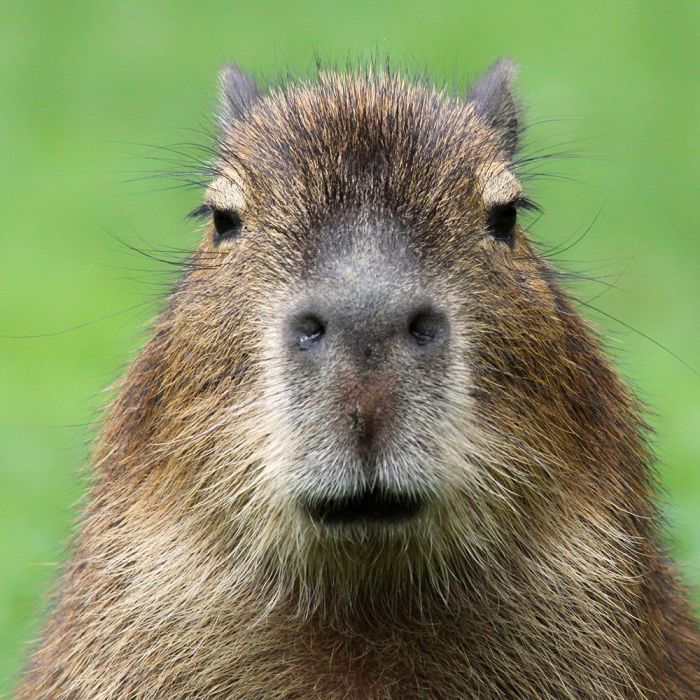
(308,330)
(501,222)
(227,224)
(426,326)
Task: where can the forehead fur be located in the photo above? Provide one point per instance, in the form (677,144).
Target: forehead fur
(370,140)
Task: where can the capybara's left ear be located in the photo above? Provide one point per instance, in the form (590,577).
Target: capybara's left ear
(493,101)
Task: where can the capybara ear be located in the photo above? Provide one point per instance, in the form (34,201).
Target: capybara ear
(493,102)
(237,93)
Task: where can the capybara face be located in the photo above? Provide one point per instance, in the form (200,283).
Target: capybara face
(388,324)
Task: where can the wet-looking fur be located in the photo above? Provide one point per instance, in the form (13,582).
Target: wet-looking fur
(533,567)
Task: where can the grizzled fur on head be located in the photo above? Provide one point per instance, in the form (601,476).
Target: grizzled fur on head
(385,144)
(534,569)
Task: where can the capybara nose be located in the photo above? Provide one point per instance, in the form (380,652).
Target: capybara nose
(363,354)
(367,330)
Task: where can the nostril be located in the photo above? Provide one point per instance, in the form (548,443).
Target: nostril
(308,330)
(426,326)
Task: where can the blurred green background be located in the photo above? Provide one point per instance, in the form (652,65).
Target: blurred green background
(82,83)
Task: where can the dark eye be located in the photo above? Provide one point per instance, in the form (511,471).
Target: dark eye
(501,222)
(227,224)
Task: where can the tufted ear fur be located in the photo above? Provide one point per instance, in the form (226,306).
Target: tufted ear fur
(238,93)
(494,102)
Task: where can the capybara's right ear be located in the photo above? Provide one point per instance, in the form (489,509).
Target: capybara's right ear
(237,93)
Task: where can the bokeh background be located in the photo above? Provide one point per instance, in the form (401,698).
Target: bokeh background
(92,94)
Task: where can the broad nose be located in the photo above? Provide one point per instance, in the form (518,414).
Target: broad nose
(370,327)
(363,347)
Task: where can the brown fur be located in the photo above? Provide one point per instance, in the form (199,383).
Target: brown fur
(538,574)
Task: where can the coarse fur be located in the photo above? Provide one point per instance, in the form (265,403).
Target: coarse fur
(535,569)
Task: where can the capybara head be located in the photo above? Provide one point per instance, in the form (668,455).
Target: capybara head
(372,376)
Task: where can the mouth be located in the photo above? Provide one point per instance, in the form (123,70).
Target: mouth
(369,507)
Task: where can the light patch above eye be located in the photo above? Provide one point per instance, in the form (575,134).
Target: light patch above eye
(225,194)
(498,185)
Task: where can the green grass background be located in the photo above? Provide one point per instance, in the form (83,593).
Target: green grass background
(81,82)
